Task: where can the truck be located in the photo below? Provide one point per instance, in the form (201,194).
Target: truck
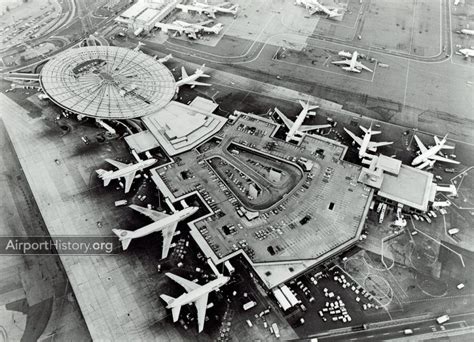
(442,319)
(276,331)
(453,231)
(249,305)
(120,203)
(280,297)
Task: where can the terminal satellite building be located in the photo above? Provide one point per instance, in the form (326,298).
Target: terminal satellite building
(142,16)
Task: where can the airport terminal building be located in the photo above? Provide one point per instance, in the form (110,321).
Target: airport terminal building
(121,84)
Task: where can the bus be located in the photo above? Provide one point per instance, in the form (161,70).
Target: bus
(442,319)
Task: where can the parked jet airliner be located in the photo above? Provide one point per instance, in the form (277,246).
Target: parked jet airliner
(429,156)
(365,143)
(297,127)
(196,294)
(163,222)
(127,171)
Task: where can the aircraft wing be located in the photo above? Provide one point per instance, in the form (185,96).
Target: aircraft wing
(288,123)
(188,285)
(354,137)
(305,128)
(360,65)
(443,159)
(211,13)
(422,147)
(129,180)
(373,144)
(115,163)
(196,83)
(204,23)
(192,34)
(153,214)
(201,306)
(168,233)
(184,74)
(344,62)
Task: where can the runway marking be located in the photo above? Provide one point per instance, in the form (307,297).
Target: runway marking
(450,32)
(446,230)
(413,28)
(406,85)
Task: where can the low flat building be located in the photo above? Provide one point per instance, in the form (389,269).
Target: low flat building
(399,184)
(179,127)
(142,16)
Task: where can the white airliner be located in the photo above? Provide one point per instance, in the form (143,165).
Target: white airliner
(297,127)
(314,6)
(365,143)
(127,171)
(353,64)
(467,52)
(164,59)
(190,29)
(162,222)
(191,79)
(200,27)
(139,45)
(196,294)
(209,10)
(429,156)
(468,32)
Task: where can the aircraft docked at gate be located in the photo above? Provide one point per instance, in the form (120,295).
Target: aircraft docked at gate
(429,156)
(196,294)
(164,223)
(365,143)
(191,79)
(127,171)
(296,128)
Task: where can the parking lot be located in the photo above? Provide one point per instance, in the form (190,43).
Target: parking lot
(306,222)
(331,300)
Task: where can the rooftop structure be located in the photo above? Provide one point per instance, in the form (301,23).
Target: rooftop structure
(143,15)
(399,183)
(179,127)
(107,82)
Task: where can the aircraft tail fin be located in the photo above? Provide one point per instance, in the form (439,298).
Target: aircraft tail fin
(168,299)
(308,106)
(365,130)
(174,310)
(217,28)
(201,70)
(102,173)
(123,236)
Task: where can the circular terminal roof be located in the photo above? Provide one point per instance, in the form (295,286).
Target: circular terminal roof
(107,82)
